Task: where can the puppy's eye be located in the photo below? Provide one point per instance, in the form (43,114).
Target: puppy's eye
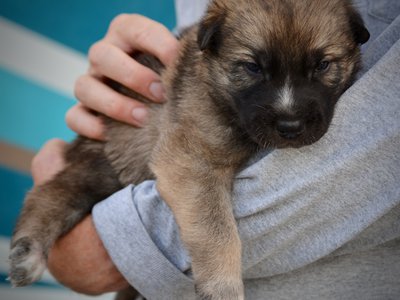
(252,68)
(322,66)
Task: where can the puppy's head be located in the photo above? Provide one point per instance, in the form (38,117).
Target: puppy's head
(280,65)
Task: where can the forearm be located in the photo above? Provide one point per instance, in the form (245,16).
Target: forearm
(79,260)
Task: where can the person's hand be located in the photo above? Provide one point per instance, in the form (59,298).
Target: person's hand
(78,259)
(110,58)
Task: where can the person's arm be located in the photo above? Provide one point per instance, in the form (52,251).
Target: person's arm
(110,58)
(80,261)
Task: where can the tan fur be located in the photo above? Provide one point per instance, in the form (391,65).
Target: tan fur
(193,145)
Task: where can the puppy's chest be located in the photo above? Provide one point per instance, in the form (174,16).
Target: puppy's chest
(206,140)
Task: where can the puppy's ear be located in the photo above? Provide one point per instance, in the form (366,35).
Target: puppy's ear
(209,36)
(360,32)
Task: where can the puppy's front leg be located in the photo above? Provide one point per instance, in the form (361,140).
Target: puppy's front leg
(200,198)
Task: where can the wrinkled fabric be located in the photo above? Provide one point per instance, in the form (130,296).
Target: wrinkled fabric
(319,222)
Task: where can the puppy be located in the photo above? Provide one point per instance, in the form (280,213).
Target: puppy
(253,74)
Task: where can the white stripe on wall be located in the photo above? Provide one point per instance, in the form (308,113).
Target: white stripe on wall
(38,58)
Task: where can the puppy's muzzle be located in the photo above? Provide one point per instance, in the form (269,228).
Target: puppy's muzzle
(290,129)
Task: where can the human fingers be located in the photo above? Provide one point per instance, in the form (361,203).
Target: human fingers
(84,122)
(134,32)
(100,97)
(104,57)
(48,161)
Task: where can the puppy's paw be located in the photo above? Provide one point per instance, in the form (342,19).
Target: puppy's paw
(27,262)
(220,290)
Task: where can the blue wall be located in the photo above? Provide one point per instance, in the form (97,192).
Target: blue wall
(30,112)
(78,23)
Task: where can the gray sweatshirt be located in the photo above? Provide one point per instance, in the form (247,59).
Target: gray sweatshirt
(319,222)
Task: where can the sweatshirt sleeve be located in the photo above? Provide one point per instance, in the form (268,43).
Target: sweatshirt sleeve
(293,206)
(139,232)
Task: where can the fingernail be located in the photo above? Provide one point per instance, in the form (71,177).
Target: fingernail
(157,90)
(140,114)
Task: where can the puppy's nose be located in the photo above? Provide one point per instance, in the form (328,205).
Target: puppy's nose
(289,129)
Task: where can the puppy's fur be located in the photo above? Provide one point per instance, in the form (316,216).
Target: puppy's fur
(253,74)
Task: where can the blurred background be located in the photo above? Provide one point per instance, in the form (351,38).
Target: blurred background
(43,47)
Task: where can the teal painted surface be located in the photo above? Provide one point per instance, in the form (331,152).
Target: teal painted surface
(78,23)
(14,186)
(31,114)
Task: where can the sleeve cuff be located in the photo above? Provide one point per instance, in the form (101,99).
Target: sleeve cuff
(134,253)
